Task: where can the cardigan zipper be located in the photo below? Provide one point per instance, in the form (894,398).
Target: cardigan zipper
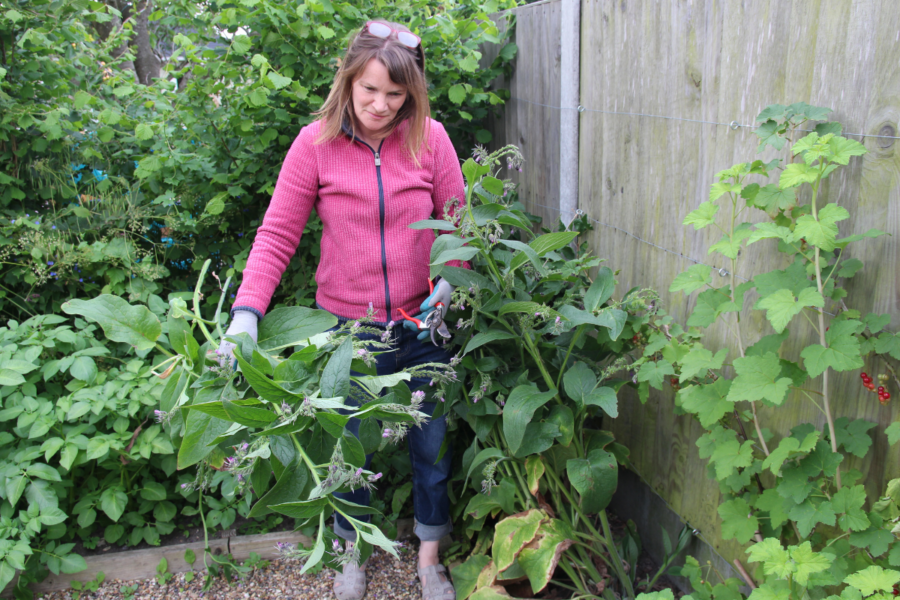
(387,289)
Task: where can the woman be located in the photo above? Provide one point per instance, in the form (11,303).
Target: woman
(373,163)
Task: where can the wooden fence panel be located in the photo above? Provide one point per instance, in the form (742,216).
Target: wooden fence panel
(533,128)
(660,80)
(720,62)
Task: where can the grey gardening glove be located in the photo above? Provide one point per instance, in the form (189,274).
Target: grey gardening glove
(243,321)
(442,294)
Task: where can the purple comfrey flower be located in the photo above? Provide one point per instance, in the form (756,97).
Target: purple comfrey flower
(49,263)
(442,398)
(161,417)
(375,477)
(418,396)
(557,321)
(387,433)
(390,324)
(356,325)
(230,462)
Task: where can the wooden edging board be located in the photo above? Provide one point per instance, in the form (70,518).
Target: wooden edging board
(141,564)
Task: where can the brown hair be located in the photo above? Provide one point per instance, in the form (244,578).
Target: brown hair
(406,67)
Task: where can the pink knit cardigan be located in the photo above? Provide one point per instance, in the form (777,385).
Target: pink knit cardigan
(366,199)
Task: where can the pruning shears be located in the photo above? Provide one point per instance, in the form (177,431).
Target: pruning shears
(433,321)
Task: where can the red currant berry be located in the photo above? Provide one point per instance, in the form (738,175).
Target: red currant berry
(887,395)
(863,375)
(880,389)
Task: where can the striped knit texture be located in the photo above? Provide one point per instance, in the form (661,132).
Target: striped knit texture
(339,179)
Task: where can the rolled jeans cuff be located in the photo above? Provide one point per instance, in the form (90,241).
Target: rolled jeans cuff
(432,533)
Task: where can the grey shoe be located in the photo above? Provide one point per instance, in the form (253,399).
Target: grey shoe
(438,586)
(351,583)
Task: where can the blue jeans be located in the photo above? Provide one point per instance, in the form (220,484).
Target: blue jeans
(431,504)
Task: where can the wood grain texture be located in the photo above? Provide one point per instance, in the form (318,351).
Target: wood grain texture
(723,62)
(534,129)
(656,77)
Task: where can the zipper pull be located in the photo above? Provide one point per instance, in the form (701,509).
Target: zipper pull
(377,160)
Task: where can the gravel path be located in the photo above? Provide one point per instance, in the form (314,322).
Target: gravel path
(281,580)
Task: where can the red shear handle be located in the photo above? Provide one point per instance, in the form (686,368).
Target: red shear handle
(419,324)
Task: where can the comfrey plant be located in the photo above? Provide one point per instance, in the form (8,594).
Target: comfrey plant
(786,485)
(538,342)
(282,409)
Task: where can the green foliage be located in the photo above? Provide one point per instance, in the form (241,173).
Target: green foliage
(109,186)
(794,492)
(539,344)
(78,458)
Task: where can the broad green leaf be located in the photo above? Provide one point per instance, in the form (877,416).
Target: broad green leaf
(848,502)
(692,279)
(870,234)
(821,232)
(776,560)
(873,579)
(248,416)
(606,399)
(43,471)
(457,93)
(376,384)
(302,510)
(578,382)
(710,304)
(465,575)
(336,375)
(853,435)
(534,470)
(595,478)
(84,368)
(285,327)
(781,306)
(758,378)
(487,337)
(601,289)
(520,307)
(72,563)
(494,186)
(113,501)
(721,188)
(268,389)
(772,502)
(787,448)
(512,534)
(738,521)
(287,489)
(893,432)
(699,360)
(810,513)
(121,322)
(143,131)
(731,455)
(433,224)
(655,372)
(765,231)
(797,174)
(540,557)
(241,44)
(519,409)
(875,539)
(462,254)
(278,81)
(199,431)
(707,402)
(730,245)
(842,353)
(702,216)
(842,149)
(773,199)
(528,251)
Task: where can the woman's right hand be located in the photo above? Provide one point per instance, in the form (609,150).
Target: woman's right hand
(243,321)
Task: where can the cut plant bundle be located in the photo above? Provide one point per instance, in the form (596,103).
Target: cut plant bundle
(280,411)
(538,344)
(816,529)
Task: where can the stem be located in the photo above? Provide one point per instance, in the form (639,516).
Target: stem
(614,554)
(740,339)
(568,352)
(822,341)
(197,304)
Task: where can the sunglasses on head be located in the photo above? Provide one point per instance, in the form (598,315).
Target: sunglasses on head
(380,30)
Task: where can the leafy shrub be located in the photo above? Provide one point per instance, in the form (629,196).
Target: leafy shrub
(80,456)
(161,177)
(790,487)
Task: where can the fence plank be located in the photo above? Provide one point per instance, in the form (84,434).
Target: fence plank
(703,62)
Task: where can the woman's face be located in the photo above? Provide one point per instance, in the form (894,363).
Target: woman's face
(376,100)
